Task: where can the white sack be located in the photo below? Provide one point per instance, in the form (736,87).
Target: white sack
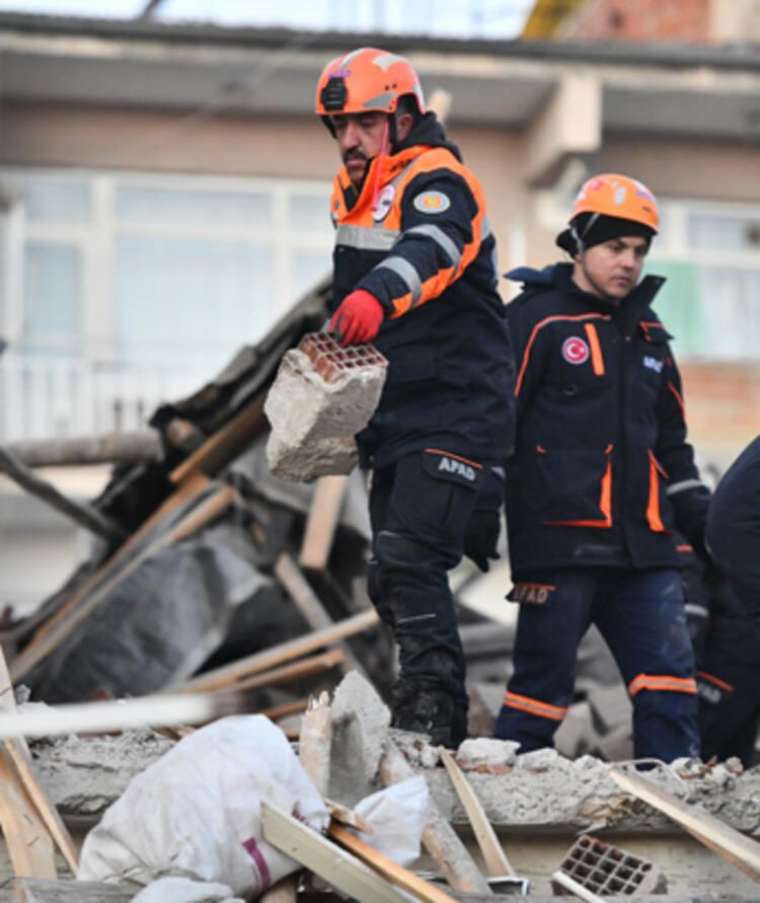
(196,812)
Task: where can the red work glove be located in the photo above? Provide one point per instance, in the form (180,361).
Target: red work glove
(358,319)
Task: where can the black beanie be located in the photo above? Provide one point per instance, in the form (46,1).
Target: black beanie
(595,228)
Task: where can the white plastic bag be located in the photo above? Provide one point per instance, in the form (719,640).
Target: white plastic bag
(195,813)
(398,815)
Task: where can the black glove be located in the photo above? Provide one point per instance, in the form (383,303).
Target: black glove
(481,537)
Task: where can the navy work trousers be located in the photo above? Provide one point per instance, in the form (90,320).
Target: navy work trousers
(641,616)
(419,508)
(729,688)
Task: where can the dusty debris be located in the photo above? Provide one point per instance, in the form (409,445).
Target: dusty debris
(82,776)
(487,755)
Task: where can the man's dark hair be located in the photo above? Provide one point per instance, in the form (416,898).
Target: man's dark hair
(407,103)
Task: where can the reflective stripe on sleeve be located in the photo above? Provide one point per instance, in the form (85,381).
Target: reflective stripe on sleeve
(366,239)
(441,239)
(406,272)
(684,485)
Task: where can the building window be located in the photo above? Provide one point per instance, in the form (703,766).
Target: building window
(710,256)
(134,270)
(119,291)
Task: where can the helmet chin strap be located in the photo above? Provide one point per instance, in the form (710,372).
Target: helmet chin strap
(383,152)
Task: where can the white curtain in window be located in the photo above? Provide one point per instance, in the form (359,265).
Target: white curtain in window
(189,303)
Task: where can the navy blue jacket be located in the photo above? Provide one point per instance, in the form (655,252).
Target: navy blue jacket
(425,250)
(733,527)
(602,471)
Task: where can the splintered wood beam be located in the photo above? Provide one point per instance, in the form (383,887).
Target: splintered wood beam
(727,842)
(225,444)
(308,603)
(29,844)
(497,863)
(119,714)
(439,838)
(74,451)
(22,762)
(205,512)
(187,493)
(285,709)
(315,741)
(305,667)
(322,521)
(84,515)
(397,874)
(338,867)
(228,675)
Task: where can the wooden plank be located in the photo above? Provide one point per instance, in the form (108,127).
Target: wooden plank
(29,844)
(403,878)
(336,866)
(284,709)
(205,512)
(345,816)
(225,444)
(119,714)
(228,675)
(84,515)
(315,741)
(497,863)
(727,842)
(184,495)
(438,838)
(72,451)
(22,762)
(322,522)
(309,604)
(314,754)
(305,667)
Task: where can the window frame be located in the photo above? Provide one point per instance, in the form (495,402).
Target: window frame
(95,237)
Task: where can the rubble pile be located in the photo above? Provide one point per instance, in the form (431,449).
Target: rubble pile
(219,578)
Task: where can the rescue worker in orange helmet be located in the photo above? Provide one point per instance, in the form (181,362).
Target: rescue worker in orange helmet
(601,475)
(414,273)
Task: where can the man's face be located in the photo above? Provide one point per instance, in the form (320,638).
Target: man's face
(611,269)
(360,137)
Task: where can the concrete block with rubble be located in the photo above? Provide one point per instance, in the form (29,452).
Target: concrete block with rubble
(322,397)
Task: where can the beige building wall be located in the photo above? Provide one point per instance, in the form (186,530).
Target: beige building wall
(723,399)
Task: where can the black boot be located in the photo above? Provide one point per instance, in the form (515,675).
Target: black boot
(427,710)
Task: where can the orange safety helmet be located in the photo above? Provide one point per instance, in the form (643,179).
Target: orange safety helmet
(364,80)
(610,194)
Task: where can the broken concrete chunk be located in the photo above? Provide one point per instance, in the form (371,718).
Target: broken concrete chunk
(360,721)
(539,759)
(416,748)
(487,755)
(321,458)
(323,395)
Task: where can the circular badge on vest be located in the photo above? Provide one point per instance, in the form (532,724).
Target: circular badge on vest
(575,350)
(431,202)
(384,201)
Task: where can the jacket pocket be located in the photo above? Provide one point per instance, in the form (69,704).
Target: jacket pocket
(658,507)
(574,488)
